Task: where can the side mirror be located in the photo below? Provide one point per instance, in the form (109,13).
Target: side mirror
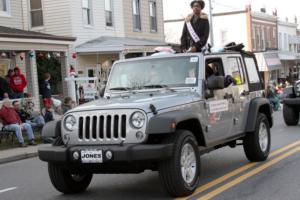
(215,82)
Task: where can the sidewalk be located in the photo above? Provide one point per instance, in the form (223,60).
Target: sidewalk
(16,154)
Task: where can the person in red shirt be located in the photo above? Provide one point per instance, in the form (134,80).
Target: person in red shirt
(12,122)
(18,83)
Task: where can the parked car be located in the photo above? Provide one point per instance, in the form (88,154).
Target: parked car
(162,113)
(291,105)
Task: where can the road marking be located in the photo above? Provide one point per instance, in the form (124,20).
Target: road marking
(249,174)
(8,189)
(237,171)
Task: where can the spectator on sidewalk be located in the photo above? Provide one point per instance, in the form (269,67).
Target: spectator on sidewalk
(18,83)
(46,91)
(5,90)
(9,75)
(35,121)
(12,122)
(68,104)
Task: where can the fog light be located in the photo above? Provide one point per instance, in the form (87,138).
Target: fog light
(76,155)
(139,135)
(108,155)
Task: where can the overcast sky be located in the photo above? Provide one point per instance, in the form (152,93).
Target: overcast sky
(174,9)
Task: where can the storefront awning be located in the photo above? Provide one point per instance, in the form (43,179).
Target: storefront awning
(268,61)
(107,44)
(289,56)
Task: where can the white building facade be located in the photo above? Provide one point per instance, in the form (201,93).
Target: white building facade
(20,44)
(288,43)
(106,30)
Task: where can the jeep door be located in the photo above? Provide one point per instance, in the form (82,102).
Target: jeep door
(219,109)
(239,90)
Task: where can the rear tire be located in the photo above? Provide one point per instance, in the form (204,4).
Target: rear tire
(290,115)
(180,174)
(66,182)
(257,144)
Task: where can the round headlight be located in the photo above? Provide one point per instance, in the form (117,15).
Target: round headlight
(70,122)
(137,120)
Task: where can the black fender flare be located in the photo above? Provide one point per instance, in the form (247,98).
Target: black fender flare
(255,106)
(162,123)
(52,129)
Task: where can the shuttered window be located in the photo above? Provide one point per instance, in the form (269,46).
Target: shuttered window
(108,13)
(36,13)
(87,12)
(153,16)
(136,15)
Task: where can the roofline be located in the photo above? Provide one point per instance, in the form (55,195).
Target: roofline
(45,37)
(230,13)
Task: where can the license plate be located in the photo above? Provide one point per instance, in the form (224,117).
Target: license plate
(91,156)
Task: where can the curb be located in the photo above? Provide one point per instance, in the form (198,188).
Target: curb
(18,157)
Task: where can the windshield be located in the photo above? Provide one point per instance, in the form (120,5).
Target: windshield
(155,73)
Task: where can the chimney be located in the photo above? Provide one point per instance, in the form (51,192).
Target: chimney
(275,12)
(263,10)
(248,8)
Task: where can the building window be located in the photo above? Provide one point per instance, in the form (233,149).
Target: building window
(108,13)
(223,36)
(263,39)
(153,16)
(254,37)
(285,40)
(4,7)
(258,38)
(274,37)
(280,41)
(87,12)
(36,13)
(136,15)
(235,70)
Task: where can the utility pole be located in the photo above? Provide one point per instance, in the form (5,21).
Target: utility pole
(211,24)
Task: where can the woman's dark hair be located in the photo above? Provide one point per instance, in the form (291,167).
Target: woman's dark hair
(10,71)
(200,2)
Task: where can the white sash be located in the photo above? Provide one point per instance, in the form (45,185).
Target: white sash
(192,32)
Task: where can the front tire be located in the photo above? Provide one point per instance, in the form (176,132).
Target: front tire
(290,115)
(180,174)
(66,182)
(257,144)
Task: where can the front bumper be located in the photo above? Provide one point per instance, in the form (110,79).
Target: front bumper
(127,153)
(292,101)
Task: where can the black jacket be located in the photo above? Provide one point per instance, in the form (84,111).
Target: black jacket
(45,90)
(4,88)
(23,115)
(201,27)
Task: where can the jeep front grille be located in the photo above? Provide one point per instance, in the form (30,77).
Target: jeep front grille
(102,128)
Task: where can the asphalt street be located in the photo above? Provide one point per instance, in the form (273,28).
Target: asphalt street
(226,174)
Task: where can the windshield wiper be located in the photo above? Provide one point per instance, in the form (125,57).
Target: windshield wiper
(158,86)
(155,86)
(121,88)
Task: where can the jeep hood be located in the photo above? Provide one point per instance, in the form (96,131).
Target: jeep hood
(160,100)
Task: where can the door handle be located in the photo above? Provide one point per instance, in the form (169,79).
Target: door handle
(245,93)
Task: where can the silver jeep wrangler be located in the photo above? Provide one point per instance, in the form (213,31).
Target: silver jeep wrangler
(162,113)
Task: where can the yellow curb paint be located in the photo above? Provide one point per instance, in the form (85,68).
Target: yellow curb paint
(237,171)
(249,174)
